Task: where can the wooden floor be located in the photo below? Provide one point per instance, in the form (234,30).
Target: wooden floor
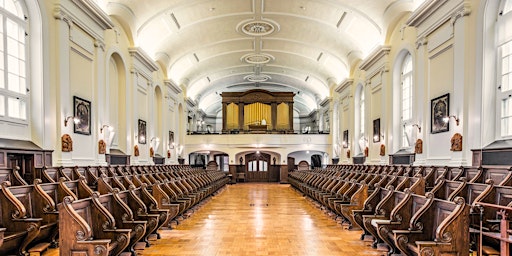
(257,219)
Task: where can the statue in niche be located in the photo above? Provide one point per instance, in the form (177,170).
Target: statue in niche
(274,160)
(382,150)
(241,160)
(102,147)
(418,148)
(348,153)
(456,142)
(136,150)
(67,143)
(151,152)
(366,151)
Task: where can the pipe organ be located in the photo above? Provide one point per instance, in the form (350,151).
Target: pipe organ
(257,111)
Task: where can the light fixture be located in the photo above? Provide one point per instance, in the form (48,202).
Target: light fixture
(446,119)
(155,138)
(110,128)
(417,125)
(76,120)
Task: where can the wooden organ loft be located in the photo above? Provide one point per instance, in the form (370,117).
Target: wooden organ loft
(257,111)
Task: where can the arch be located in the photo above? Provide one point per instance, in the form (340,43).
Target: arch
(402,129)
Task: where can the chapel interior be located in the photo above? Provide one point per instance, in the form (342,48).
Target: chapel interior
(255,127)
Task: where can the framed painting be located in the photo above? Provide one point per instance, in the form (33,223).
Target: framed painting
(440,108)
(142,132)
(171,139)
(82,112)
(345,139)
(376,130)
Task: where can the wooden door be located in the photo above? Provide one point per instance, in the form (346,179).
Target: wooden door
(257,167)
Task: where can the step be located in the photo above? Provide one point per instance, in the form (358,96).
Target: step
(382,247)
(487,250)
(139,246)
(37,249)
(153,237)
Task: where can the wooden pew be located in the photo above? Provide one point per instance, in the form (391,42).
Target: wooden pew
(125,219)
(439,228)
(30,219)
(87,228)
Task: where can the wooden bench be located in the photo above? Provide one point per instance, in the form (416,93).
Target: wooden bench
(439,228)
(125,219)
(33,222)
(88,228)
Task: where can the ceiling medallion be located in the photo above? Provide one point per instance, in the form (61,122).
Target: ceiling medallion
(257,27)
(257,58)
(257,78)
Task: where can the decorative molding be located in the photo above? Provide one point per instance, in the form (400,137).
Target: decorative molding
(345,84)
(325,102)
(374,57)
(176,89)
(257,58)
(461,11)
(63,13)
(257,78)
(92,10)
(421,42)
(449,11)
(191,103)
(257,27)
(424,11)
(143,58)
(100,44)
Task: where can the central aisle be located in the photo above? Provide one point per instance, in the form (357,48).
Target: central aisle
(259,219)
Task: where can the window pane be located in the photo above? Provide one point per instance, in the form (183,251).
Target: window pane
(506,111)
(16,108)
(2,105)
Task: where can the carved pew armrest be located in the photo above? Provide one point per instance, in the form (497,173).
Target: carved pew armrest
(412,235)
(28,220)
(118,230)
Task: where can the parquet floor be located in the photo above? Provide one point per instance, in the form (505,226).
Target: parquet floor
(257,219)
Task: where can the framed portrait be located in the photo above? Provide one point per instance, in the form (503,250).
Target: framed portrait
(142,132)
(82,111)
(345,139)
(376,130)
(440,108)
(171,139)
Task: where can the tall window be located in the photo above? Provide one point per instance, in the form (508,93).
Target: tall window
(504,50)
(13,65)
(361,121)
(406,99)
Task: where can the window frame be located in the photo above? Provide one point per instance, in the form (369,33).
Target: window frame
(5,92)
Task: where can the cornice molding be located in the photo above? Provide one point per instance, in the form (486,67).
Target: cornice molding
(374,57)
(345,84)
(424,11)
(176,89)
(325,102)
(92,10)
(143,58)
(191,103)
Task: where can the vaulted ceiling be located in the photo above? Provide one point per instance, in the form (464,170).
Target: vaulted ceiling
(303,46)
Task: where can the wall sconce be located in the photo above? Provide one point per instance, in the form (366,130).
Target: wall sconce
(417,125)
(110,128)
(446,119)
(76,120)
(155,138)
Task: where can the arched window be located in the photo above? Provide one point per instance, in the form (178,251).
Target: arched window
(14,88)
(406,82)
(360,119)
(504,70)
